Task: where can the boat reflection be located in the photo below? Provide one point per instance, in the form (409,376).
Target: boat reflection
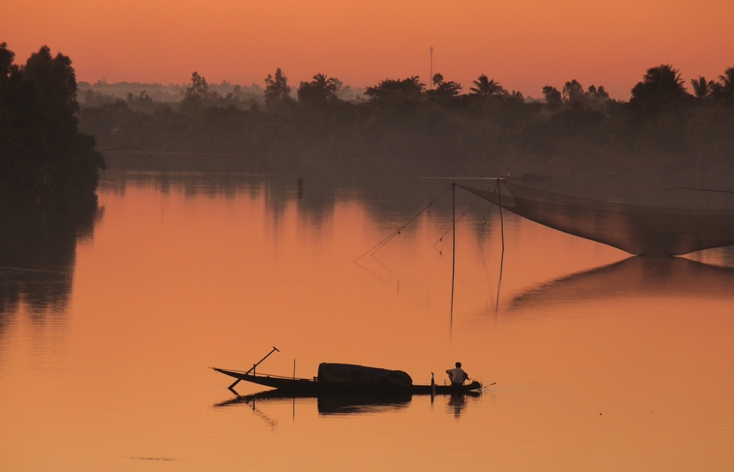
(331,404)
(357,403)
(634,277)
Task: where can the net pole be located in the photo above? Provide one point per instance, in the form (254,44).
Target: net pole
(453,249)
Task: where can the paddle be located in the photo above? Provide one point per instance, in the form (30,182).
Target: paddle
(231,387)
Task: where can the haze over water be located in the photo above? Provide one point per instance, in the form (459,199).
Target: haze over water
(601,362)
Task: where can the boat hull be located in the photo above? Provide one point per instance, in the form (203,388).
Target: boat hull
(312,387)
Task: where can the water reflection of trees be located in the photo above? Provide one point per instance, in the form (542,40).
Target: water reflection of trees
(634,277)
(222,175)
(37,253)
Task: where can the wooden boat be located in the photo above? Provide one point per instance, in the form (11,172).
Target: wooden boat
(347,379)
(336,403)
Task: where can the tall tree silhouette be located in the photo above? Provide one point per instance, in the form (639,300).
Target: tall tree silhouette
(44,156)
(6,62)
(661,91)
(724,90)
(199,88)
(197,93)
(276,88)
(553,97)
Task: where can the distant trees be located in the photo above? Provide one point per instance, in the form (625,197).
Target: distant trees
(402,121)
(43,156)
(553,97)
(574,96)
(320,90)
(198,89)
(405,91)
(443,90)
(517,95)
(573,92)
(142,102)
(599,93)
(6,63)
(411,91)
(196,95)
(276,88)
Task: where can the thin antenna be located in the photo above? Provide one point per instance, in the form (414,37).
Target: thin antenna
(430,79)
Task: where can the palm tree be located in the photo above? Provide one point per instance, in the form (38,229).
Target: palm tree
(665,81)
(728,78)
(661,90)
(485,87)
(701,88)
(328,85)
(725,89)
(320,89)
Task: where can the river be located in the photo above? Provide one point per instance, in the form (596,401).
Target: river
(598,361)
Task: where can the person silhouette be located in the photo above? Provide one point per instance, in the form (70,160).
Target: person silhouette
(457,375)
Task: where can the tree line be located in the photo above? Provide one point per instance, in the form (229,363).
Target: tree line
(403,123)
(397,124)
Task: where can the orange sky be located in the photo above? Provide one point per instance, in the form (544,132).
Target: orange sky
(524,44)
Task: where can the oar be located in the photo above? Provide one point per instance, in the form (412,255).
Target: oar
(231,387)
(487,386)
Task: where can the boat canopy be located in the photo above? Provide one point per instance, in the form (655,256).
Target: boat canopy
(358,374)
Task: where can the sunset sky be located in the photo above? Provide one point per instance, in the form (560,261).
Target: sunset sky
(524,44)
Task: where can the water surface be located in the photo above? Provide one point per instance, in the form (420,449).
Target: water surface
(601,362)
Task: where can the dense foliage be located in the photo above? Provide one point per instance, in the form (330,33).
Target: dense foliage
(401,123)
(43,156)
